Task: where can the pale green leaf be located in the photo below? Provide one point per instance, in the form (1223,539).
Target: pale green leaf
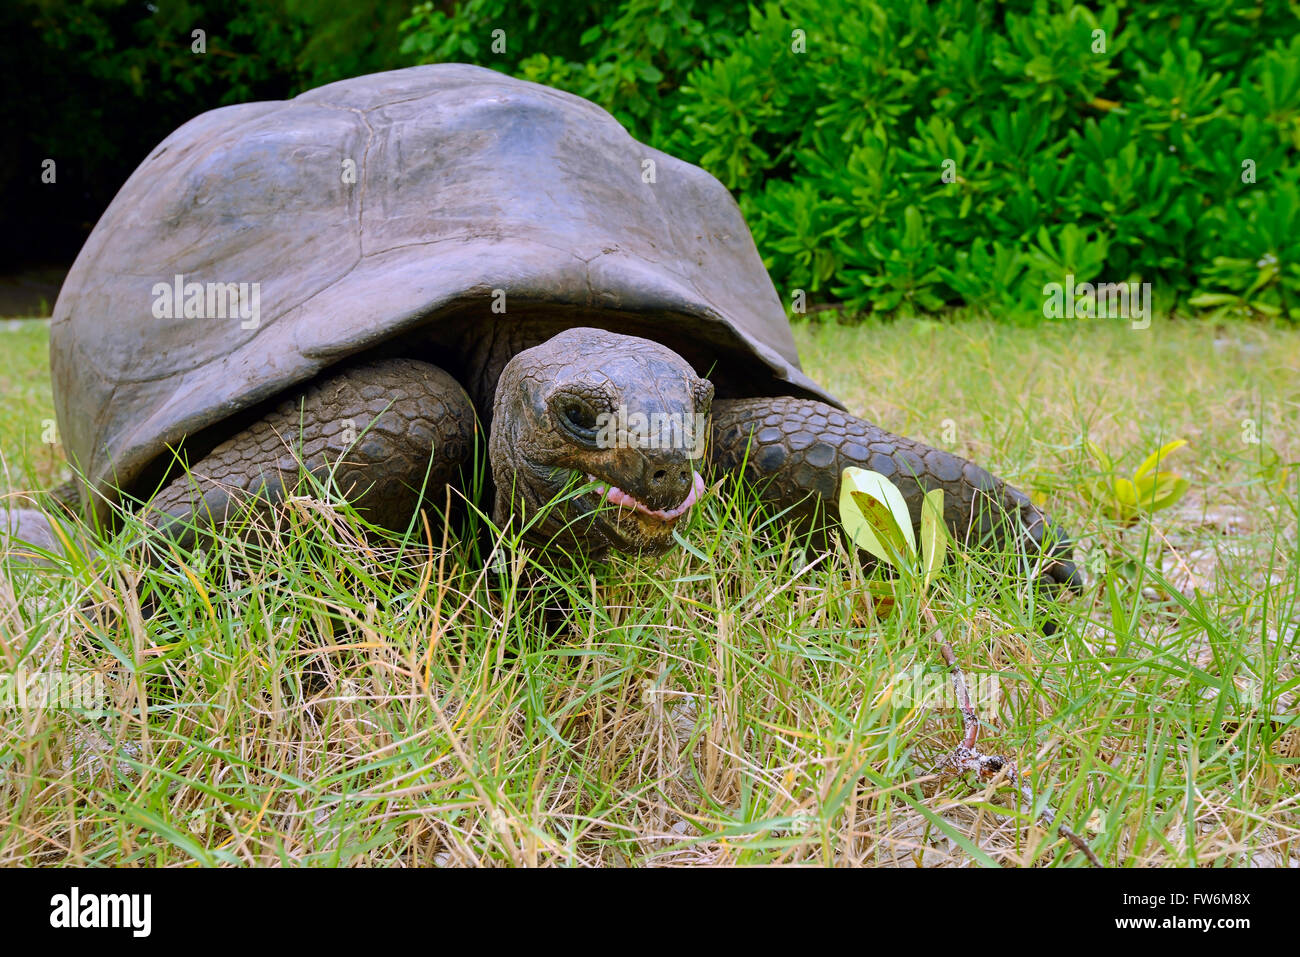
(875,516)
(934,534)
(1125,492)
(1168,492)
(1158,456)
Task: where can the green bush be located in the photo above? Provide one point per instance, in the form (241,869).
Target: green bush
(915,155)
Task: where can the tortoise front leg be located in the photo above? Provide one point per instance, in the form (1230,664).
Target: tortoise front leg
(795,450)
(383,431)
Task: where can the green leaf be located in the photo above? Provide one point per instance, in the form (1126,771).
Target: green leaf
(1126,492)
(934,534)
(875,516)
(1158,456)
(1207,299)
(1161,490)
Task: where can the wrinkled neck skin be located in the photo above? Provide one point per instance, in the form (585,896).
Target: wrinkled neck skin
(618,420)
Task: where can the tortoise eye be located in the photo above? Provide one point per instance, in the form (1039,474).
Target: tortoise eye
(580,417)
(577,415)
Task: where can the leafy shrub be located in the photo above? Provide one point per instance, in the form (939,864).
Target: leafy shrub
(890,155)
(913,155)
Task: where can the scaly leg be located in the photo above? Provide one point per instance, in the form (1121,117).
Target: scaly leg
(385,429)
(796,449)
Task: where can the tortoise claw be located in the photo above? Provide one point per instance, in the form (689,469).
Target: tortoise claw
(1056,547)
(1064,573)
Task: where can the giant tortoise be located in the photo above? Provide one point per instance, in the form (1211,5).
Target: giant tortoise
(366,279)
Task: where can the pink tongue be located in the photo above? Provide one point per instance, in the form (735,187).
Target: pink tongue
(625,500)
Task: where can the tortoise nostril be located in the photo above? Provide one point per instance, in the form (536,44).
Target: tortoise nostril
(666,487)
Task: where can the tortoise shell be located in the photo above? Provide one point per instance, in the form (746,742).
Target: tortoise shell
(374,211)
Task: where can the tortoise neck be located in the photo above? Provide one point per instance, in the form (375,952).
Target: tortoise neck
(488,348)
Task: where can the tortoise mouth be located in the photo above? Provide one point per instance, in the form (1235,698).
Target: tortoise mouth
(627,523)
(626,500)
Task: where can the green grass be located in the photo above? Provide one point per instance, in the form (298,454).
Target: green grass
(335,700)
(27,412)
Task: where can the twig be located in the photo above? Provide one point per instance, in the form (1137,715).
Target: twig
(966,757)
(1080,843)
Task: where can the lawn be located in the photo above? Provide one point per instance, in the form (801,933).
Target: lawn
(342,701)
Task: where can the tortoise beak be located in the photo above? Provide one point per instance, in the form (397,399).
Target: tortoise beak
(660,479)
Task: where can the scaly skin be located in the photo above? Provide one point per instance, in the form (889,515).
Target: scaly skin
(795,451)
(402,414)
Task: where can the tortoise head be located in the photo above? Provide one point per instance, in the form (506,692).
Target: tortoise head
(598,439)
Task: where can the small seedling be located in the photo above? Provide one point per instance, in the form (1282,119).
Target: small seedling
(1148,489)
(876,518)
